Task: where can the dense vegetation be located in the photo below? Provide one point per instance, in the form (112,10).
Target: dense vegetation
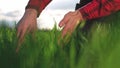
(98,49)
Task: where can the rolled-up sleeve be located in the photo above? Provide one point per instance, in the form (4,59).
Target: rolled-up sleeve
(38,5)
(99,8)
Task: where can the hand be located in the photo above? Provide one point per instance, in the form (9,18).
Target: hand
(26,24)
(70,22)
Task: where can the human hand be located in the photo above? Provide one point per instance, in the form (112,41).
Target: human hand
(27,24)
(70,22)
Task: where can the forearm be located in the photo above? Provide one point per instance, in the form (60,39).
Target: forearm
(99,8)
(38,5)
(30,13)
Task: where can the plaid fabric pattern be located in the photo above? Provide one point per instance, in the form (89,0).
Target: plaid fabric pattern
(99,8)
(92,10)
(39,5)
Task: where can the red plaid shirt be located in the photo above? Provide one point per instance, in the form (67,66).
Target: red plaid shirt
(94,9)
(39,5)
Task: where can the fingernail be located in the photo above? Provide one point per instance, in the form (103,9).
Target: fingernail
(60,25)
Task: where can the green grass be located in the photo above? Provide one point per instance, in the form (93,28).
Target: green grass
(98,49)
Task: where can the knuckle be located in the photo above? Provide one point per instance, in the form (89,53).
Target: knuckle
(70,12)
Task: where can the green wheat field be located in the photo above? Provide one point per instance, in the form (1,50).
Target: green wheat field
(99,48)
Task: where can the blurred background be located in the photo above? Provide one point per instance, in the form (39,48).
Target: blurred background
(97,48)
(12,10)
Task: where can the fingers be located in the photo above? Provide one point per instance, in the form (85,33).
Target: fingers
(25,25)
(21,31)
(17,49)
(64,21)
(70,22)
(22,34)
(69,27)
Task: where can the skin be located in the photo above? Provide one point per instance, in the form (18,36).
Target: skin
(70,22)
(28,23)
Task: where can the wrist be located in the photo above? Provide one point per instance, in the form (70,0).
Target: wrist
(80,15)
(31,13)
